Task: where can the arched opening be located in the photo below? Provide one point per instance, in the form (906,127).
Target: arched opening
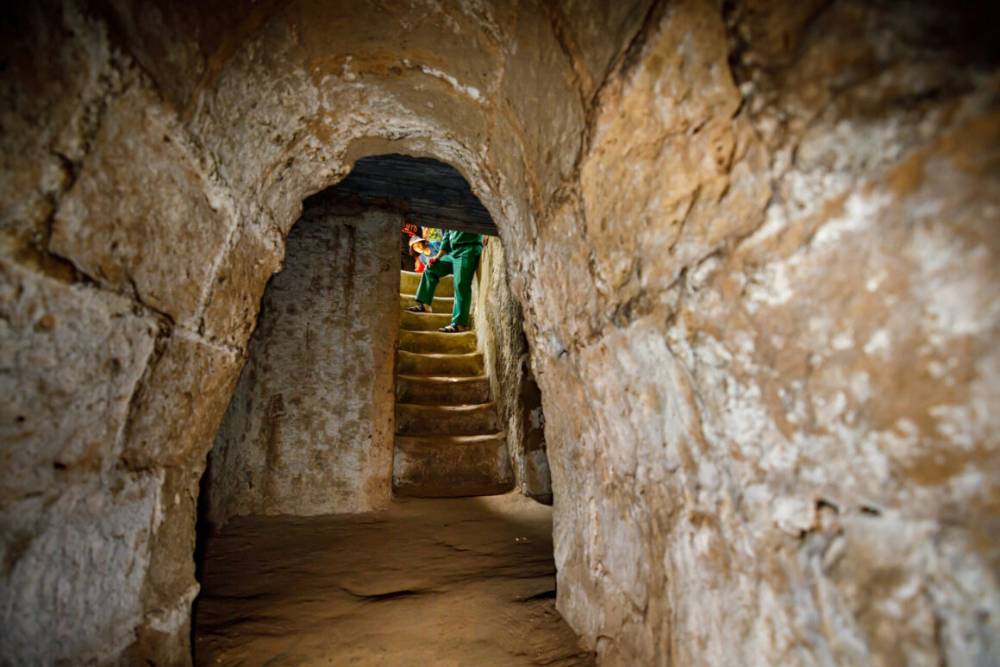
(754,245)
(348,400)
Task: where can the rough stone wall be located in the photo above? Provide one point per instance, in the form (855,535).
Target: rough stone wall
(310,426)
(110,224)
(753,244)
(500,335)
(768,400)
(154,157)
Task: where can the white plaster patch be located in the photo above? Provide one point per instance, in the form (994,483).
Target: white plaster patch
(744,419)
(793,515)
(775,221)
(937,369)
(708,477)
(901,441)
(770,287)
(829,410)
(861,387)
(843,341)
(876,280)
(950,275)
(793,399)
(469,91)
(878,344)
(702,272)
(860,212)
(956,423)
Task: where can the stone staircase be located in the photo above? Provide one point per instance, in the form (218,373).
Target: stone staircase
(448,439)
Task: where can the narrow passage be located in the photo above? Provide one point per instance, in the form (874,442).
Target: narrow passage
(448,438)
(465,581)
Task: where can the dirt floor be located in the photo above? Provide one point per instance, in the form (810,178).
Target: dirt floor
(466,581)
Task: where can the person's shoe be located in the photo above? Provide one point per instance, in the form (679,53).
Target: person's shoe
(453,328)
(419,308)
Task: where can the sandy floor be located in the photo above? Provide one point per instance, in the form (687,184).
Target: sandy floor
(429,582)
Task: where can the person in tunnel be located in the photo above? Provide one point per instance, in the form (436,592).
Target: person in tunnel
(459,255)
(422,250)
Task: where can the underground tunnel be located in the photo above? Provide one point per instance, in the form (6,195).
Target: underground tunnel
(737,318)
(347,402)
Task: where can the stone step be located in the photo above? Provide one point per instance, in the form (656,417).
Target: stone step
(441,304)
(435,341)
(447,467)
(409,280)
(442,390)
(463,365)
(413,419)
(423,321)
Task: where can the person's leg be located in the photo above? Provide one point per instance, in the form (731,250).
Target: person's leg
(430,277)
(465,269)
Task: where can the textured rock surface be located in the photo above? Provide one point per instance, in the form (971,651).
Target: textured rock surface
(767,413)
(139,216)
(310,426)
(505,353)
(72,357)
(450,440)
(476,574)
(755,250)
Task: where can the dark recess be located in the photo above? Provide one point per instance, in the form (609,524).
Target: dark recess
(427,192)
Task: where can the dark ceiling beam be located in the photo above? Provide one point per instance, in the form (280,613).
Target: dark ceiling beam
(426,192)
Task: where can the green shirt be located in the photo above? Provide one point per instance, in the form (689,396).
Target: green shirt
(461,242)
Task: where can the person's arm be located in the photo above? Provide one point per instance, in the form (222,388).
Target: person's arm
(445,247)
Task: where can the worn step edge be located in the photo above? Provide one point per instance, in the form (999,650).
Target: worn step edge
(442,411)
(442,355)
(441,304)
(438,335)
(466,407)
(418,439)
(442,379)
(413,296)
(439,466)
(413,275)
(409,280)
(443,389)
(464,364)
(420,342)
(429,420)
(423,321)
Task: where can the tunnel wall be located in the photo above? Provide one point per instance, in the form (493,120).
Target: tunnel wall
(310,426)
(500,335)
(767,396)
(111,391)
(754,246)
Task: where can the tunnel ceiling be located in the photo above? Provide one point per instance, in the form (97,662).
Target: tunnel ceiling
(430,193)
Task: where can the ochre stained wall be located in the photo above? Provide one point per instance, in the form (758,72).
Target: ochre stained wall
(309,429)
(500,334)
(755,246)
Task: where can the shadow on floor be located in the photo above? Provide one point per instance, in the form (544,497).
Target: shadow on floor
(466,581)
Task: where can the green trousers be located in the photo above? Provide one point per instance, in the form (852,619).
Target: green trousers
(462,261)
